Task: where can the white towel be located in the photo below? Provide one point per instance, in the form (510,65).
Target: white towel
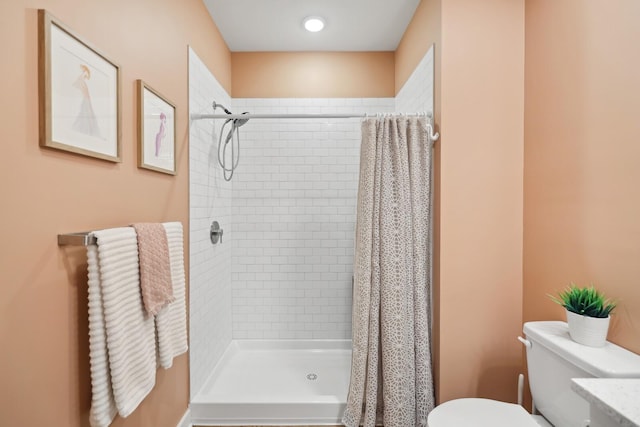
(103,407)
(171,321)
(130,334)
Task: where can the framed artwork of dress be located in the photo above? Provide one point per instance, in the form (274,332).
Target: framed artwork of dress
(79,90)
(156,131)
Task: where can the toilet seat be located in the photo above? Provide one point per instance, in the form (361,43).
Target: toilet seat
(479,413)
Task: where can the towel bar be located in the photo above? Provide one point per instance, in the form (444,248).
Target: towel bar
(84,238)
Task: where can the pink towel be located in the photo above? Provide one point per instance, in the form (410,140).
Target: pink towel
(155,270)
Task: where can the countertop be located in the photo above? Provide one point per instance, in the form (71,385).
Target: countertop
(617,397)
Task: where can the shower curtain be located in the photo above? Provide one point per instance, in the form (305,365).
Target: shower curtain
(391,374)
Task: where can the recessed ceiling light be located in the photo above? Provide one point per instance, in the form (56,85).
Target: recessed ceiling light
(313,24)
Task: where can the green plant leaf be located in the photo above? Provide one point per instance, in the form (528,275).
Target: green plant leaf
(584,301)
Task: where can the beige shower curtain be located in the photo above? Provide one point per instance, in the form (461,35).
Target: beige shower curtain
(391,375)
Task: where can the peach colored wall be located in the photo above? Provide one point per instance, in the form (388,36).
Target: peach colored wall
(481,197)
(479,107)
(582,145)
(423,31)
(312,74)
(44,366)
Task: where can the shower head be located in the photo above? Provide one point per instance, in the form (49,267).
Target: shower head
(235,124)
(239,122)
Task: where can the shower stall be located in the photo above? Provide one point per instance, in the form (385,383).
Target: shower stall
(270,304)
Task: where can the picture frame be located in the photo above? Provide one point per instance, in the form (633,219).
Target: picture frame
(156,130)
(79,93)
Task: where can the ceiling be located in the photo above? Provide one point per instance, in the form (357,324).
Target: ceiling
(276,25)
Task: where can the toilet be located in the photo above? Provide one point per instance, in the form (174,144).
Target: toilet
(553,358)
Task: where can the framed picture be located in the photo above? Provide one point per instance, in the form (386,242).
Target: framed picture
(156,131)
(79,93)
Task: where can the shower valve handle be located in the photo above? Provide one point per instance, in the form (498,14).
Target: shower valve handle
(216,232)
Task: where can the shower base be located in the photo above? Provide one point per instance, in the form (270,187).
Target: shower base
(279,382)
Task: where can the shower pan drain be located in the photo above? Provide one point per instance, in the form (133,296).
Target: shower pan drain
(312,377)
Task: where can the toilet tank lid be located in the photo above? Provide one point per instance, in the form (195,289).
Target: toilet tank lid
(610,361)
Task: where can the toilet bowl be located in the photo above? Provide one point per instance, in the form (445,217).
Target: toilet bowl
(553,359)
(483,413)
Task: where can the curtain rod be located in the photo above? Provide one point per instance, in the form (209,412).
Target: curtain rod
(289,116)
(433,136)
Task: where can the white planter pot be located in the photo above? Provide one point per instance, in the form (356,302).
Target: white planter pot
(591,331)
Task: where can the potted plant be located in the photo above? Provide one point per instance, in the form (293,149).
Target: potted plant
(588,314)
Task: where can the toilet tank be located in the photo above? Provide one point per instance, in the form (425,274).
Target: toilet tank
(554,358)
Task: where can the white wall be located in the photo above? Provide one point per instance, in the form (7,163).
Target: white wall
(294,198)
(416,96)
(210,199)
(284,267)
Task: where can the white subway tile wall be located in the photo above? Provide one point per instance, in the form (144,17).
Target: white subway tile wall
(294,200)
(416,95)
(210,199)
(284,268)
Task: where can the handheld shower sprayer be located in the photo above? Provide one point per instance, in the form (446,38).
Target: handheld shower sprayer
(235,124)
(222,148)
